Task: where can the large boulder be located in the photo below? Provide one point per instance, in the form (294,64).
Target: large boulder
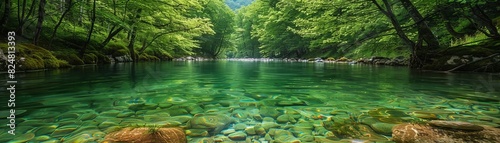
(147,135)
(444,131)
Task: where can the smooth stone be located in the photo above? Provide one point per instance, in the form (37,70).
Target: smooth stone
(45,130)
(269,125)
(228,131)
(266,111)
(221,139)
(237,136)
(268,119)
(68,116)
(44,114)
(456,125)
(182,119)
(23,138)
(285,118)
(285,136)
(259,129)
(52,141)
(106,124)
(250,131)
(177,111)
(110,113)
(88,116)
(213,122)
(42,138)
(62,131)
(240,126)
(383,128)
(430,134)
(424,115)
(197,132)
(165,105)
(124,114)
(69,122)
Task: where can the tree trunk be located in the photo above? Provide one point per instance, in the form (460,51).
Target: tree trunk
(22,17)
(41,15)
(452,31)
(482,19)
(6,14)
(60,21)
(131,44)
(394,21)
(133,35)
(423,28)
(85,45)
(111,34)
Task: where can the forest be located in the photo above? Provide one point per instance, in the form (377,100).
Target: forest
(431,35)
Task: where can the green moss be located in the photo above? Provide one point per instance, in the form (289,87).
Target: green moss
(63,64)
(89,58)
(35,57)
(120,52)
(71,58)
(51,63)
(146,57)
(102,59)
(32,63)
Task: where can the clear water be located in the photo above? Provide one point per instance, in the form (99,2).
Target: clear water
(362,91)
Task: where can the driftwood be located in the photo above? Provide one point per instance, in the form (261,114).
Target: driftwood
(469,63)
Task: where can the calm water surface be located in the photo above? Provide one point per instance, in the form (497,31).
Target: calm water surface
(50,104)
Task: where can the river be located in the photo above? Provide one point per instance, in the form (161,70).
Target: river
(82,103)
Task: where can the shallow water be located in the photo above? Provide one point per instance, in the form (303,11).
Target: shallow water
(56,103)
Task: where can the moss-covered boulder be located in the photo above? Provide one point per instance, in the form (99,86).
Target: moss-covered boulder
(147,57)
(89,58)
(70,57)
(32,57)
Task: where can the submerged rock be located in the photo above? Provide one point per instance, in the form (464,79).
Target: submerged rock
(456,125)
(213,122)
(147,135)
(238,136)
(430,134)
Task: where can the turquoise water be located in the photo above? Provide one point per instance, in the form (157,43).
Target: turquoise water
(83,103)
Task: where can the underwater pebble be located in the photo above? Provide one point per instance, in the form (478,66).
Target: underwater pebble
(124,114)
(45,130)
(62,131)
(23,138)
(88,116)
(42,138)
(106,124)
(240,126)
(237,136)
(228,131)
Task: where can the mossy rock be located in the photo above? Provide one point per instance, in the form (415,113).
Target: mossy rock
(146,57)
(89,58)
(102,59)
(71,58)
(120,52)
(35,57)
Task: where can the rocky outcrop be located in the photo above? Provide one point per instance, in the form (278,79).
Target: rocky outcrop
(444,131)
